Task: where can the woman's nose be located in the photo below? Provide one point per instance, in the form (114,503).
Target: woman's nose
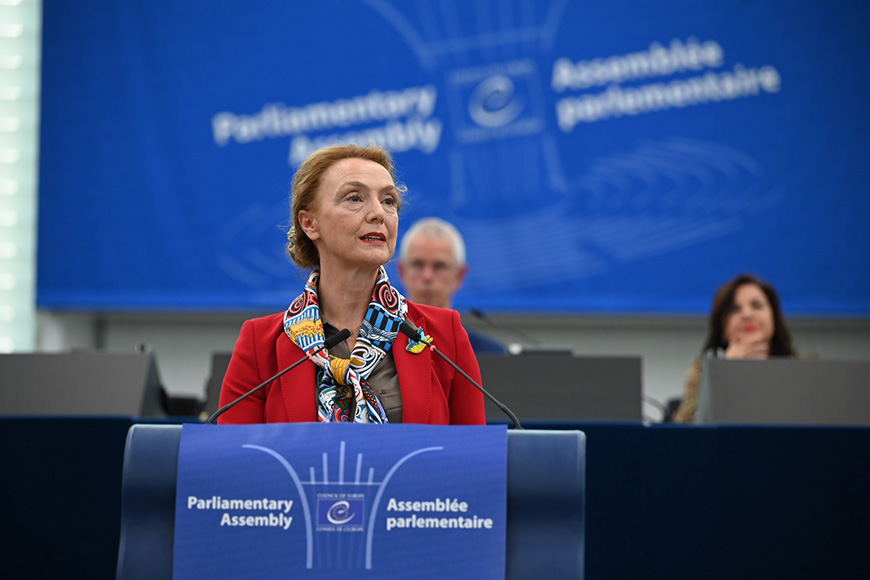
(376,213)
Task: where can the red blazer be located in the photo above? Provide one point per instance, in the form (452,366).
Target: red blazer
(433,392)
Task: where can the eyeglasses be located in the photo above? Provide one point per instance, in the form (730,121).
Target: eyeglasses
(439,269)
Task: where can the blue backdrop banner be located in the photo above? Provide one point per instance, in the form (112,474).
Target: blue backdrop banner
(329,501)
(597,156)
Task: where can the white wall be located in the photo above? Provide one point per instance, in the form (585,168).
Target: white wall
(183,343)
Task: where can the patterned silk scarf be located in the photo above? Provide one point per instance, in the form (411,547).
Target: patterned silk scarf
(341,383)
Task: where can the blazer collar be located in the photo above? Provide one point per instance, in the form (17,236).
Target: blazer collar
(414,370)
(415,377)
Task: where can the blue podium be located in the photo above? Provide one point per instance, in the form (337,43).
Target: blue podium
(545,503)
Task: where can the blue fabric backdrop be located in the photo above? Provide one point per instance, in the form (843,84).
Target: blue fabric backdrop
(622,157)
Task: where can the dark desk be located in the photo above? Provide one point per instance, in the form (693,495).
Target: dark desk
(663,501)
(727,502)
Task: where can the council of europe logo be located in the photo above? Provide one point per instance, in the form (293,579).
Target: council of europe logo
(495,101)
(341,497)
(341,512)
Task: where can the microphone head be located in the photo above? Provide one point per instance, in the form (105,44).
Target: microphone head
(409,330)
(340,336)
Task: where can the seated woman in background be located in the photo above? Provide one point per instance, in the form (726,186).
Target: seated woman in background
(345,220)
(746,322)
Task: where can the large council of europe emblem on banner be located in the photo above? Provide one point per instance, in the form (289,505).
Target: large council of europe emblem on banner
(323,500)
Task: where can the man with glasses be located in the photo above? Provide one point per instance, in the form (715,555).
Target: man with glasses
(432,267)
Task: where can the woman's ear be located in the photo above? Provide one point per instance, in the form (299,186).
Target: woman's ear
(308,223)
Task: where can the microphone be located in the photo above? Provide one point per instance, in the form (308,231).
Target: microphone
(514,347)
(327,344)
(413,333)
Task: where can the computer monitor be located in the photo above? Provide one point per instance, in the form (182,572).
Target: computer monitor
(81,383)
(563,386)
(785,391)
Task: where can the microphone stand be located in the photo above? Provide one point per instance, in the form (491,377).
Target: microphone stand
(328,343)
(413,333)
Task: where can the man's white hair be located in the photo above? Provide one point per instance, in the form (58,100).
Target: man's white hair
(436,228)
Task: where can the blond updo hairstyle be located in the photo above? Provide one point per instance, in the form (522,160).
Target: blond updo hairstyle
(306,183)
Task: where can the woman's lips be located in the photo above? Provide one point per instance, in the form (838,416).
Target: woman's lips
(373,237)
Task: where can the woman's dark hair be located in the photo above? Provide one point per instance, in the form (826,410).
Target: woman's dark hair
(723,301)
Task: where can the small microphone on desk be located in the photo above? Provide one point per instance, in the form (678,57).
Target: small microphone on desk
(514,347)
(330,342)
(413,333)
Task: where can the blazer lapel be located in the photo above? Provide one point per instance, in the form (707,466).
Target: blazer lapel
(415,378)
(297,386)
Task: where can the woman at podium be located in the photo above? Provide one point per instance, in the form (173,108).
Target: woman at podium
(746,322)
(344,224)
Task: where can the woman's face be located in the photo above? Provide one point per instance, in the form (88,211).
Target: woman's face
(354,218)
(750,315)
